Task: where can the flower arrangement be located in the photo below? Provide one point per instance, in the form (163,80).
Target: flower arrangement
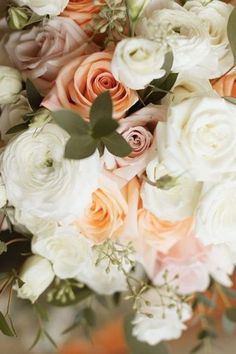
(118,161)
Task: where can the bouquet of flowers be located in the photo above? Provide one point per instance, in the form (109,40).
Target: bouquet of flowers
(118,160)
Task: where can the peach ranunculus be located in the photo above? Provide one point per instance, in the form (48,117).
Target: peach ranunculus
(138,130)
(81,11)
(226,85)
(82,80)
(40,52)
(105,217)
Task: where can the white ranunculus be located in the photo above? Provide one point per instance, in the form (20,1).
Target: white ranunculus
(187,86)
(158,328)
(12,114)
(10,84)
(39,180)
(216,213)
(176,203)
(168,23)
(45,7)
(137,61)
(3,194)
(214,16)
(101,281)
(67,250)
(200,138)
(37,275)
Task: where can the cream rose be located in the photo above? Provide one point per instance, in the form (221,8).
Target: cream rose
(158,328)
(3,194)
(138,61)
(200,138)
(105,217)
(66,249)
(40,52)
(10,84)
(173,204)
(216,213)
(214,16)
(87,77)
(168,23)
(45,7)
(37,275)
(40,181)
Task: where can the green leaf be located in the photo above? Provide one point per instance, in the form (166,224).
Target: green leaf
(51,340)
(71,122)
(206,333)
(90,316)
(102,301)
(80,147)
(231,313)
(229,292)
(154,96)
(19,282)
(104,127)
(137,347)
(116,298)
(198,347)
(117,145)
(229,326)
(33,95)
(205,300)
(42,312)
(231,30)
(36,340)
(101,108)
(3,247)
(18,128)
(4,326)
(230,99)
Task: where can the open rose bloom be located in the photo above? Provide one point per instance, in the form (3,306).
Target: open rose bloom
(118,160)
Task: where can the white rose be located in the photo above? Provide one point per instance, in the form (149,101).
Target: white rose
(137,61)
(3,193)
(10,84)
(168,23)
(216,213)
(176,203)
(214,16)
(200,138)
(12,114)
(158,328)
(187,86)
(66,249)
(101,281)
(39,180)
(37,275)
(45,7)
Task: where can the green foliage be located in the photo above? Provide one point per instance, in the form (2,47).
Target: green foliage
(3,247)
(231,314)
(33,95)
(202,299)
(85,318)
(18,128)
(228,326)
(98,133)
(229,292)
(231,30)
(137,347)
(230,99)
(5,328)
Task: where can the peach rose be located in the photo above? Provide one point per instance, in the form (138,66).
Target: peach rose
(226,85)
(81,11)
(105,217)
(40,52)
(161,234)
(138,130)
(82,80)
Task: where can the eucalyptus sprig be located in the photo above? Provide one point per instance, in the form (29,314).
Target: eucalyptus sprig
(99,132)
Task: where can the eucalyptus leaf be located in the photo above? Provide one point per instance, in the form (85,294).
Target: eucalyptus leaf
(18,128)
(104,127)
(101,108)
(230,99)
(71,122)
(231,314)
(117,145)
(137,347)
(155,95)
(80,147)
(33,95)
(231,30)
(4,326)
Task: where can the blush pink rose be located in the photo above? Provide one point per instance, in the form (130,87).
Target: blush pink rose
(105,217)
(39,53)
(138,130)
(81,11)
(82,80)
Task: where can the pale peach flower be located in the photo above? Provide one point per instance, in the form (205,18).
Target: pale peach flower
(105,217)
(40,52)
(82,80)
(138,131)
(226,85)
